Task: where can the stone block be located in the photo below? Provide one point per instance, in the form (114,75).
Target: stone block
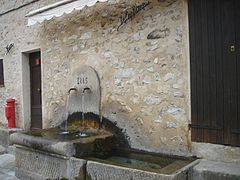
(99,144)
(208,170)
(5,136)
(159,33)
(216,152)
(34,164)
(86,96)
(102,171)
(44,144)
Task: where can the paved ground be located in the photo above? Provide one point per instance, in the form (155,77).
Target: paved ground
(7,167)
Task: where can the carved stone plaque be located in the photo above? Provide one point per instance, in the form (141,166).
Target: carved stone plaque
(86,98)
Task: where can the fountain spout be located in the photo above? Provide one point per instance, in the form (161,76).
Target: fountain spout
(86,89)
(71,89)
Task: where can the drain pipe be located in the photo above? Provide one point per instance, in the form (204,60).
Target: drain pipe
(100,102)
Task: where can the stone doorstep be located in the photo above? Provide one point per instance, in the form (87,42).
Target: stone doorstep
(208,170)
(216,152)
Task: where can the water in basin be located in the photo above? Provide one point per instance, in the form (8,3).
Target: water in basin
(145,161)
(62,135)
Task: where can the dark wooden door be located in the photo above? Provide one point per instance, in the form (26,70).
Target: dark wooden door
(215,79)
(36,97)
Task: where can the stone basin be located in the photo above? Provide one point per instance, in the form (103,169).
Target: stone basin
(54,154)
(130,165)
(102,153)
(72,144)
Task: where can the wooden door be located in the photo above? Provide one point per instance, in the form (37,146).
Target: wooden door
(36,97)
(235,121)
(215,78)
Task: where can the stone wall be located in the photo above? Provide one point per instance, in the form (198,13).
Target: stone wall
(143,67)
(13,29)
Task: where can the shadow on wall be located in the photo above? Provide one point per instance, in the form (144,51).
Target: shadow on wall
(92,120)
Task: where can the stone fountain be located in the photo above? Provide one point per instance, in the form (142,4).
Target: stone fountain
(87,145)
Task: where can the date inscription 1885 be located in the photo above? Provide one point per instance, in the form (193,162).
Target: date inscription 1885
(82,80)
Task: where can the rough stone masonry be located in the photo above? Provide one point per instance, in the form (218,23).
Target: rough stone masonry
(143,67)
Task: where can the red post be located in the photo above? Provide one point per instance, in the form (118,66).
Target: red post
(10,112)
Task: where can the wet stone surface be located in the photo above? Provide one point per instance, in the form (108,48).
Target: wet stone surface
(145,161)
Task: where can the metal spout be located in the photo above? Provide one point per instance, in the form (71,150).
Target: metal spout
(71,89)
(86,89)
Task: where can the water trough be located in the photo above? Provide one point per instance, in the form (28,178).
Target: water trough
(89,146)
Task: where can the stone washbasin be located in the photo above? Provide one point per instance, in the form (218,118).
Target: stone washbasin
(90,151)
(54,154)
(132,164)
(81,138)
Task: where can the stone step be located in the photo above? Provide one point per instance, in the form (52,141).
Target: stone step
(209,170)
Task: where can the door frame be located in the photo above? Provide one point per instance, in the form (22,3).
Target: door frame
(26,91)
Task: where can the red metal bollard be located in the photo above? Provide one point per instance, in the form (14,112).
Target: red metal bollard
(10,112)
